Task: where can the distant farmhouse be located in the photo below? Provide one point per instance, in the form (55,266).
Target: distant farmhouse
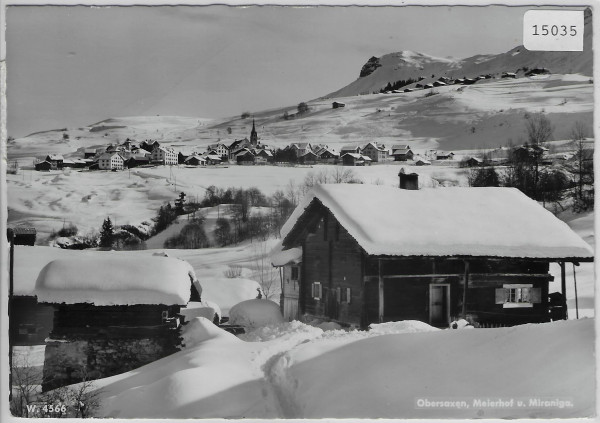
(373,254)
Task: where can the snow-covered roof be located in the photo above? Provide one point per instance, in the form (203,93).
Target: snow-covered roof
(114,280)
(484,222)
(55,157)
(281,258)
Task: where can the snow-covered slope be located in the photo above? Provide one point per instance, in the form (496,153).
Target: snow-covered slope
(302,372)
(408,64)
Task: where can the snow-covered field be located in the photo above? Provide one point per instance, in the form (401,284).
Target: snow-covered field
(407,370)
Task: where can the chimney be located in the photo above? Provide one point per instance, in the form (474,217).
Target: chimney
(408,180)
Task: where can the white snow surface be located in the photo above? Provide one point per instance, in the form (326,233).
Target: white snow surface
(255,313)
(111,279)
(290,374)
(206,309)
(478,222)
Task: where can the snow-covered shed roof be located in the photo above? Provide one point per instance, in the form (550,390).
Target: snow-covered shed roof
(478,222)
(281,258)
(115,280)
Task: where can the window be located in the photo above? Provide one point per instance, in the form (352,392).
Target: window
(518,295)
(294,273)
(316,290)
(338,295)
(348,295)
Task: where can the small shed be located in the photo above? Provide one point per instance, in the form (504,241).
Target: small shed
(337,105)
(112,313)
(23,235)
(474,161)
(195,160)
(44,166)
(308,158)
(353,159)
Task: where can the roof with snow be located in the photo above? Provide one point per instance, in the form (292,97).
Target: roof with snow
(290,256)
(115,280)
(477,222)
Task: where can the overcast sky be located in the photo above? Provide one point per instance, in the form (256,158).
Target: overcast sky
(73,66)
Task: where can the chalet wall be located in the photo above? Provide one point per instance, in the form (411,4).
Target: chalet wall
(332,257)
(291,292)
(30,322)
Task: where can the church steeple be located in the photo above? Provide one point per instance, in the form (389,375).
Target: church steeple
(253,135)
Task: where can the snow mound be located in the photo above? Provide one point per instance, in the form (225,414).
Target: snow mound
(329,326)
(255,313)
(206,309)
(280,330)
(404,326)
(201,329)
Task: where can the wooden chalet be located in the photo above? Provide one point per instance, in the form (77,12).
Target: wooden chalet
(444,156)
(112,313)
(308,158)
(402,153)
(375,254)
(195,160)
(474,162)
(245,157)
(22,235)
(337,105)
(355,159)
(44,166)
(56,160)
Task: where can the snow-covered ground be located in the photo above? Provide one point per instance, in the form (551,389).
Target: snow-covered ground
(292,370)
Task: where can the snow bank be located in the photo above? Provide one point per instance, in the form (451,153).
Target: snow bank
(111,279)
(255,313)
(201,329)
(280,330)
(385,376)
(404,326)
(206,309)
(496,222)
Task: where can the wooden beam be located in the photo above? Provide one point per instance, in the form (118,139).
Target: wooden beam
(466,286)
(380,293)
(563,287)
(575,283)
(475,275)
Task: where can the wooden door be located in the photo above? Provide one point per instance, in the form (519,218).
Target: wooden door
(439,304)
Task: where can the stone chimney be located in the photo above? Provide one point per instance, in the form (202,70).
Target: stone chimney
(408,180)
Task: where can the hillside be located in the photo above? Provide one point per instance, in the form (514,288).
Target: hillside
(408,64)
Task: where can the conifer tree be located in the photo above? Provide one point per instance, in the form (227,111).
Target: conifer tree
(106,234)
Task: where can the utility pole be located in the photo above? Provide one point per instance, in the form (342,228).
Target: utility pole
(11,236)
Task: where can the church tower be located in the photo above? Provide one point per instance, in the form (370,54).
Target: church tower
(253,135)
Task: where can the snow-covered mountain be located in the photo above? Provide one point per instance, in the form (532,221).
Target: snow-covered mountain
(392,67)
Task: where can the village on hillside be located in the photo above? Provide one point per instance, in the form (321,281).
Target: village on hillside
(419,244)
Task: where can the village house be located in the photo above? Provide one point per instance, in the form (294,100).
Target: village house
(44,166)
(136,160)
(237,146)
(112,314)
(327,155)
(374,254)
(89,153)
(111,161)
(265,154)
(375,152)
(350,149)
(355,159)
(164,156)
(245,157)
(301,148)
(443,155)
(308,158)
(219,149)
(402,153)
(526,153)
(195,160)
(212,159)
(56,160)
(474,161)
(419,161)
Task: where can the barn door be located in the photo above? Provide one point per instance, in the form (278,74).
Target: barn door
(439,304)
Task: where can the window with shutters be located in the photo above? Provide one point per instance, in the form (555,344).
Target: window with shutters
(518,295)
(316,290)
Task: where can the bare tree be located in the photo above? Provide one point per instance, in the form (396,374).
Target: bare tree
(266,275)
(26,380)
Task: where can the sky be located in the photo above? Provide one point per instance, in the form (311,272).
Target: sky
(77,65)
